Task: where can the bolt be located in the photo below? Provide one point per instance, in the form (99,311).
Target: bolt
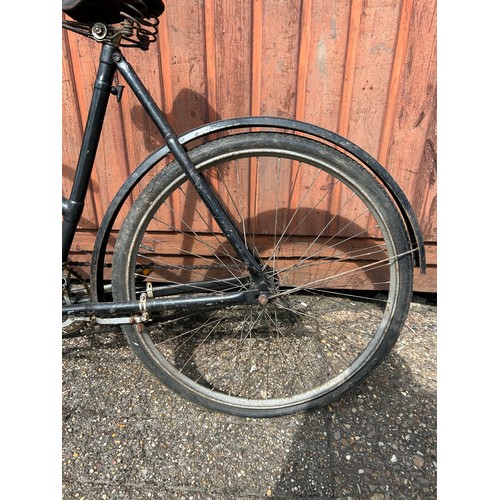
(99,31)
(263,300)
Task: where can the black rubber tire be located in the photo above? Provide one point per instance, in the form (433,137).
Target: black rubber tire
(314,321)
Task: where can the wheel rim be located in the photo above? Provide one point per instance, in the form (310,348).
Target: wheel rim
(311,340)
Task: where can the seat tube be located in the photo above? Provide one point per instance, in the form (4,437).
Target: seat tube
(73,206)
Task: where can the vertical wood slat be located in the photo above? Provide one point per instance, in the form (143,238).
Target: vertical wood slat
(210,49)
(324,68)
(350,66)
(233,55)
(304,54)
(307,59)
(183,31)
(397,69)
(411,156)
(256,68)
(280,48)
(185,83)
(375,54)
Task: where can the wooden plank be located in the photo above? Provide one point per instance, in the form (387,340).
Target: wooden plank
(233,56)
(182,31)
(304,56)
(185,82)
(211,59)
(275,85)
(326,274)
(422,283)
(279,57)
(374,60)
(397,70)
(334,275)
(324,65)
(206,244)
(256,56)
(425,283)
(350,66)
(425,186)
(292,247)
(411,156)
(183,250)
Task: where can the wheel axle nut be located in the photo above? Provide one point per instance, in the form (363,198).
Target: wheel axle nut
(263,300)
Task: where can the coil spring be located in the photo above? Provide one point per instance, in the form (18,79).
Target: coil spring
(133,31)
(138,31)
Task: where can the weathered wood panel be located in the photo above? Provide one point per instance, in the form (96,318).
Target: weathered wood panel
(411,156)
(365,69)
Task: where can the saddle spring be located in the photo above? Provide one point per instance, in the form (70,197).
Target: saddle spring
(133,31)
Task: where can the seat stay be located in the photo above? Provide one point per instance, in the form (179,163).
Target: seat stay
(207,194)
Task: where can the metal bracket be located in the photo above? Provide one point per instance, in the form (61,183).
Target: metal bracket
(117,90)
(129,320)
(142,305)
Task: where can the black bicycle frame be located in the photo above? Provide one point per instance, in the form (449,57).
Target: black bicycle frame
(111,60)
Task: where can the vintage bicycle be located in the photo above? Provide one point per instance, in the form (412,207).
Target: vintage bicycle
(266,268)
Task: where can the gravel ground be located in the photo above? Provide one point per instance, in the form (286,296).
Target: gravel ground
(126,436)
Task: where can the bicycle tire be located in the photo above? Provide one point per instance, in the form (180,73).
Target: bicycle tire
(333,243)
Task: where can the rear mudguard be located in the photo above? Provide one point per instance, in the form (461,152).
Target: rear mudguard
(286,126)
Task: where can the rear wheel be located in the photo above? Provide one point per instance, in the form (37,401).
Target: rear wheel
(334,248)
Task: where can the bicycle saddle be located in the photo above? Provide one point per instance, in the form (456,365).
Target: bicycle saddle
(108,11)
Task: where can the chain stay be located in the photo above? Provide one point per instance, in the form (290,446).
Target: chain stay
(134,319)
